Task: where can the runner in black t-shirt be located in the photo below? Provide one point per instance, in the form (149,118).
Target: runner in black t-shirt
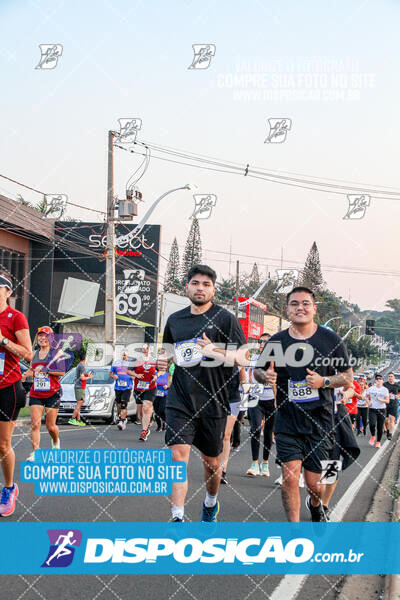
(304,419)
(391,409)
(198,401)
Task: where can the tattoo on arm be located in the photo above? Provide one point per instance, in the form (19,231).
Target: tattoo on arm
(285,502)
(341,379)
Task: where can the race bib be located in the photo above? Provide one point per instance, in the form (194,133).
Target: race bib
(142,385)
(299,391)
(187,353)
(160,393)
(41,383)
(2,359)
(122,383)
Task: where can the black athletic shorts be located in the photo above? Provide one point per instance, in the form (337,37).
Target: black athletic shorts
(52,402)
(204,432)
(122,397)
(149,395)
(391,409)
(12,399)
(311,447)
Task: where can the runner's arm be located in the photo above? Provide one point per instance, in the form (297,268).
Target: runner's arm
(23,348)
(344,379)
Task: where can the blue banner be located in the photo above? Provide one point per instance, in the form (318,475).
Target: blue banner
(202,548)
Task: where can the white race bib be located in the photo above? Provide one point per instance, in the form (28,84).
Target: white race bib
(160,393)
(41,383)
(142,385)
(187,353)
(122,383)
(299,391)
(2,359)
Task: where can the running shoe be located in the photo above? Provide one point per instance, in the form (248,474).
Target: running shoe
(301,480)
(80,423)
(254,469)
(209,514)
(119,424)
(7,500)
(177,520)
(124,422)
(223,478)
(389,436)
(31,457)
(144,435)
(55,446)
(264,469)
(378,445)
(372,441)
(278,481)
(73,422)
(317,512)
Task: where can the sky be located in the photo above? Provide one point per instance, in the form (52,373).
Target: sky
(331,68)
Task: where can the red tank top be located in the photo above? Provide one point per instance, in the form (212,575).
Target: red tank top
(46,385)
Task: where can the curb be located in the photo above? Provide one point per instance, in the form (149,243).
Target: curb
(392,584)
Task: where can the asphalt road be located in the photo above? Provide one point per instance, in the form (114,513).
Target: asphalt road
(244,499)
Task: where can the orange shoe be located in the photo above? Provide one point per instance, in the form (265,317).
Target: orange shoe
(378,444)
(372,441)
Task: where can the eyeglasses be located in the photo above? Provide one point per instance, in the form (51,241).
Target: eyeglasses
(295,304)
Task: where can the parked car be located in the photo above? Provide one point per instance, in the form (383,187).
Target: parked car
(100,397)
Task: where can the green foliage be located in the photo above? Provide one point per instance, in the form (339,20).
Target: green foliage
(192,252)
(172,276)
(311,275)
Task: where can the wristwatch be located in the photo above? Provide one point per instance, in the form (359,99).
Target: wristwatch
(327,382)
(4,341)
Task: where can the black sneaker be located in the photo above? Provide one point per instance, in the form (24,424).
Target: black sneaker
(389,436)
(326,511)
(177,520)
(223,478)
(317,512)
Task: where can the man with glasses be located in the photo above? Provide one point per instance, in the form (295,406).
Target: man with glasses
(301,361)
(378,396)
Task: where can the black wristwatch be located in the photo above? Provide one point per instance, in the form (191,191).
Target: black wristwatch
(327,382)
(4,341)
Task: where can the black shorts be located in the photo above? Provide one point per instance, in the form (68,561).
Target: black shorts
(149,395)
(12,399)
(310,447)
(204,432)
(391,409)
(122,397)
(52,402)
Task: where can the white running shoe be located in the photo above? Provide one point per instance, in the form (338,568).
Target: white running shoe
(278,481)
(264,469)
(120,424)
(123,424)
(301,480)
(31,457)
(254,469)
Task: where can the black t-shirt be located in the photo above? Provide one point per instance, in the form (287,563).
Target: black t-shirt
(194,386)
(394,388)
(296,402)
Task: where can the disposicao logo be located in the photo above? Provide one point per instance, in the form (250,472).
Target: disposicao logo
(62,547)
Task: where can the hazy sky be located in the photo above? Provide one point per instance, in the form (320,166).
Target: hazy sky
(332,68)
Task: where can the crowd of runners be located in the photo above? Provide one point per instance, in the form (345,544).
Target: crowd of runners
(298,391)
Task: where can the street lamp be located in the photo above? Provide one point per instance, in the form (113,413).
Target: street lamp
(351,329)
(329,320)
(129,236)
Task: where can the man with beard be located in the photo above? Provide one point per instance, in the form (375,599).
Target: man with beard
(198,401)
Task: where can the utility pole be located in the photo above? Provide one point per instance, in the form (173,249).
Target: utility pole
(109,305)
(237,290)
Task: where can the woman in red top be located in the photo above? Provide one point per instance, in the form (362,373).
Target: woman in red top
(145,375)
(46,369)
(352,406)
(15,343)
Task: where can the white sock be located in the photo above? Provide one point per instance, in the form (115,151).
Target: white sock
(177,512)
(210,501)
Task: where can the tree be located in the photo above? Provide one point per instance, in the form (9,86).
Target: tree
(172,282)
(225,291)
(192,251)
(254,282)
(311,275)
